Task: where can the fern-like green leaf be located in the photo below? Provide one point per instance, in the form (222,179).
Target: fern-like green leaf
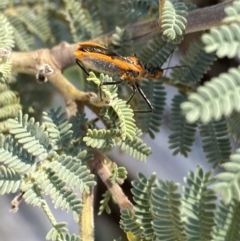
(228,184)
(35,22)
(216,143)
(156,52)
(9,102)
(73,172)
(142,190)
(165,206)
(195,63)
(136,147)
(96,28)
(233,122)
(227,222)
(58,232)
(129,223)
(32,193)
(110,117)
(100,138)
(118,174)
(199,205)
(58,127)
(122,42)
(78,19)
(109,91)
(13,155)
(127,122)
(232,12)
(225,40)
(31,135)
(8,97)
(156,94)
(77,123)
(62,197)
(10,111)
(138,9)
(107,196)
(22,37)
(10,180)
(172,18)
(182,137)
(6,33)
(216,98)
(6,44)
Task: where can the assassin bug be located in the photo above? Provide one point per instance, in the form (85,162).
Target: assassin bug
(130,69)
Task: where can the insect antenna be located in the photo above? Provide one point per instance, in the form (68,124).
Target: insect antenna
(181,66)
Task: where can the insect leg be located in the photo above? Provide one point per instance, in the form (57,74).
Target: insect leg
(134,89)
(145,99)
(79,63)
(137,86)
(109,83)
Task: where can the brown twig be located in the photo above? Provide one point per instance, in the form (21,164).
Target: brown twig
(198,20)
(86,221)
(116,191)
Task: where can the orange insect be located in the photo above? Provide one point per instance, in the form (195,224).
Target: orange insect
(130,69)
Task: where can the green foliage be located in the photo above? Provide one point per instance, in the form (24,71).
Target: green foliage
(183,133)
(6,44)
(30,135)
(60,233)
(78,19)
(34,162)
(166,205)
(9,103)
(58,127)
(232,12)
(126,123)
(227,222)
(109,91)
(136,147)
(100,138)
(51,158)
(225,40)
(172,18)
(122,42)
(9,100)
(156,52)
(62,197)
(233,122)
(118,175)
(217,98)
(129,223)
(10,180)
(139,9)
(198,205)
(107,196)
(228,181)
(156,214)
(195,63)
(156,94)
(216,143)
(142,192)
